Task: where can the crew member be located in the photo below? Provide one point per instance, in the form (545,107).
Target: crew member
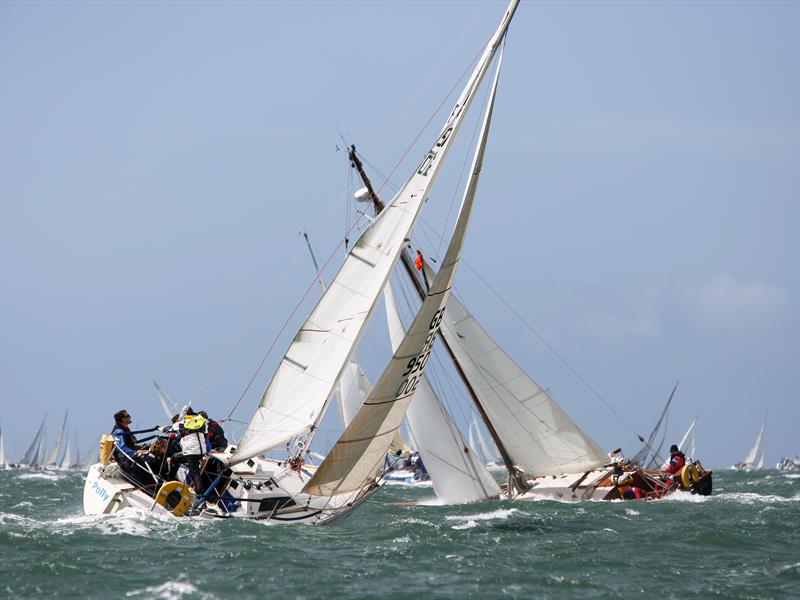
(127,452)
(194,444)
(677,460)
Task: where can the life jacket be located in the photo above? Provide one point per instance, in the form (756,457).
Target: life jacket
(676,462)
(193,435)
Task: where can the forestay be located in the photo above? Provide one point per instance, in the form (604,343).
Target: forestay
(538,435)
(359,454)
(299,390)
(457,473)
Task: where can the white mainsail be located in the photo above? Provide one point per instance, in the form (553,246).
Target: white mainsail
(538,435)
(52,458)
(687,443)
(354,387)
(298,392)
(66,461)
(456,470)
(3,458)
(360,452)
(755,458)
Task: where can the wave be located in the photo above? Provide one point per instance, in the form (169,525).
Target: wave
(169,590)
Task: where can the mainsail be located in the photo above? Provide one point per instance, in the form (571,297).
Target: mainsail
(52,458)
(3,458)
(641,457)
(540,437)
(298,392)
(66,461)
(755,458)
(456,470)
(360,452)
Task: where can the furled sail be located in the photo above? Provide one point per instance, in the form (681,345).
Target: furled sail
(297,394)
(456,470)
(359,454)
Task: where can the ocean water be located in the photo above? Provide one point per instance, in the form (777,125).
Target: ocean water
(741,542)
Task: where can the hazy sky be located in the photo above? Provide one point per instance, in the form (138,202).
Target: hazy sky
(639,206)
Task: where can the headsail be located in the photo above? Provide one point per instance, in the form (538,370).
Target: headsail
(457,472)
(169,407)
(297,394)
(358,456)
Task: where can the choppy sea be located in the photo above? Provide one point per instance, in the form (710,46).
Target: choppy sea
(741,542)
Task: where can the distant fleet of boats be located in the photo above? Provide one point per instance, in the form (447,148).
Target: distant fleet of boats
(64,455)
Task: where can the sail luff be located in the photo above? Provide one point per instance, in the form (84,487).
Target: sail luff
(357,457)
(300,389)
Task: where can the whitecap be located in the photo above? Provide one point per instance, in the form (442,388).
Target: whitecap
(169,590)
(46,476)
(501,513)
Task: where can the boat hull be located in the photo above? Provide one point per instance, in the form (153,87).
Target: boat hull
(260,489)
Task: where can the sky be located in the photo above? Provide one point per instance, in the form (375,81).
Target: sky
(637,222)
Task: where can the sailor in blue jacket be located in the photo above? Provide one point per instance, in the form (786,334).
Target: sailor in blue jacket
(127,451)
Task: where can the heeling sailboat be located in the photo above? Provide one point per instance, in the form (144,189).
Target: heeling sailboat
(545,452)
(31,456)
(754,460)
(299,392)
(355,461)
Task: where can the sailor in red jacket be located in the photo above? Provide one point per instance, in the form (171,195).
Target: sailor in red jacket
(677,460)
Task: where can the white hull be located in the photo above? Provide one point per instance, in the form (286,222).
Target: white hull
(407,478)
(264,489)
(594,485)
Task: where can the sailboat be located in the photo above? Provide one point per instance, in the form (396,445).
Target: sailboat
(32,457)
(5,464)
(545,453)
(754,461)
(53,459)
(290,490)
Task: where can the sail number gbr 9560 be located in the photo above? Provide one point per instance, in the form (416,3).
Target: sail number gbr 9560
(416,365)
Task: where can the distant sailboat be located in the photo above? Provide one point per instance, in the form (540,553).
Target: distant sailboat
(754,461)
(53,458)
(4,462)
(32,454)
(687,443)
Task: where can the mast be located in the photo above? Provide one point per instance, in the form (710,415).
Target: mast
(515,478)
